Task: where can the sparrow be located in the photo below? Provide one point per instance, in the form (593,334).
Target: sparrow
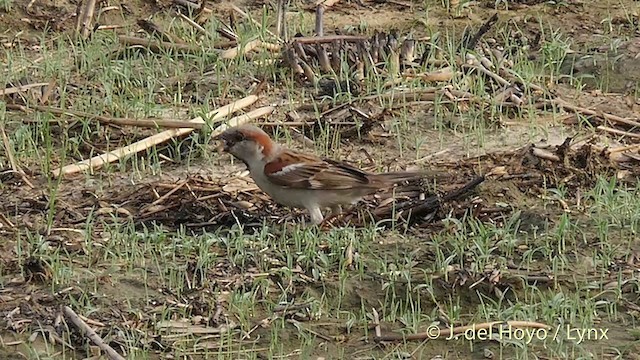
(300,180)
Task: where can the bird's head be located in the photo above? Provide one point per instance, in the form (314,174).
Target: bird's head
(247,143)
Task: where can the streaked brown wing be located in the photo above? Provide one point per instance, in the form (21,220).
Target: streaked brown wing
(315,174)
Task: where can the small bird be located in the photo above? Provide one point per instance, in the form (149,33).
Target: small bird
(300,180)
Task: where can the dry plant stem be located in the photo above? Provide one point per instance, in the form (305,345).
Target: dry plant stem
(445,333)
(610,117)
(6,220)
(21,88)
(319,25)
(193,23)
(633,147)
(543,154)
(165,196)
(376,323)
(148,123)
(84,20)
(243,119)
(251,45)
(281,26)
(499,79)
(618,132)
(97,161)
(154,29)
(91,335)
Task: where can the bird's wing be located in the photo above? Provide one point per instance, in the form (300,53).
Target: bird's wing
(301,171)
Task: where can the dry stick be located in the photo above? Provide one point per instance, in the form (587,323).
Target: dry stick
(8,222)
(544,154)
(281,26)
(319,26)
(84,20)
(606,116)
(97,161)
(165,196)
(633,147)
(472,42)
(251,45)
(243,119)
(21,88)
(89,333)
(446,333)
(154,29)
(499,79)
(193,23)
(150,123)
(618,132)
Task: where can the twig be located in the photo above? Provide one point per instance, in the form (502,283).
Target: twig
(164,197)
(97,161)
(6,220)
(86,17)
(281,26)
(376,323)
(633,147)
(251,45)
(193,23)
(614,118)
(242,119)
(319,14)
(618,132)
(89,333)
(154,29)
(21,88)
(499,79)
(544,154)
(483,30)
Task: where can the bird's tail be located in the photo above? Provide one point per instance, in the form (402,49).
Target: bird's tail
(401,176)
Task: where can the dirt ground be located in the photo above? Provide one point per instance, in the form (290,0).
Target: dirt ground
(514,179)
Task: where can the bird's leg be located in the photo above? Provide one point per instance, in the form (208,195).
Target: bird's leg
(315,214)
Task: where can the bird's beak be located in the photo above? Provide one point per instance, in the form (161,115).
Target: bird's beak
(222,143)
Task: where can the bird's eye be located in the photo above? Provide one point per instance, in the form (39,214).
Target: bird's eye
(238,137)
